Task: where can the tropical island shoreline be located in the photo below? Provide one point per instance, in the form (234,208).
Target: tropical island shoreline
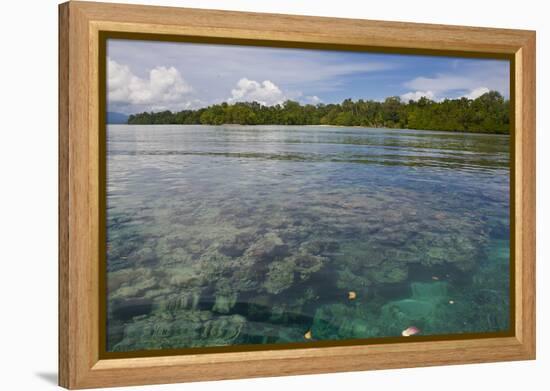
(488,113)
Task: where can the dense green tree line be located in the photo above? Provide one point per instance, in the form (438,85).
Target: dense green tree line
(489,113)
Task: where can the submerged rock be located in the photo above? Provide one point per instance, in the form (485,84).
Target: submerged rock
(307,264)
(269,247)
(319,247)
(184,301)
(421,306)
(280,276)
(339,321)
(223,329)
(389,273)
(187,328)
(224,303)
(184,277)
(346,279)
(236,246)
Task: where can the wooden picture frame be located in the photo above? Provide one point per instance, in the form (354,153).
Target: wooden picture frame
(80,195)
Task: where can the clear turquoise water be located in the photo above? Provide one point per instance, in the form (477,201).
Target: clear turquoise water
(256,234)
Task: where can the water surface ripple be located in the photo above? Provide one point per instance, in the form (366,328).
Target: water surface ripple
(236,235)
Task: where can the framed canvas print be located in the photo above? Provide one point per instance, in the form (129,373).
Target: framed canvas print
(248,195)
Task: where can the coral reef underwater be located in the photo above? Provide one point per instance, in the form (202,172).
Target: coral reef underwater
(231,248)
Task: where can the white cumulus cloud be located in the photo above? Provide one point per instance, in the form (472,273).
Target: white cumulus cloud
(164,88)
(468,80)
(416,95)
(476,93)
(439,83)
(313,99)
(265,93)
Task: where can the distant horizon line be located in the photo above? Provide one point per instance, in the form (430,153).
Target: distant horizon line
(319,104)
(487,113)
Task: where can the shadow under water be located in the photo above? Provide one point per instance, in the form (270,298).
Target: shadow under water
(251,235)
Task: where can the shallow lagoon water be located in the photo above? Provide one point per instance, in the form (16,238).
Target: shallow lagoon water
(230,235)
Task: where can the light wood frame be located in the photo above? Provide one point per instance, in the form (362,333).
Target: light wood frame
(80,24)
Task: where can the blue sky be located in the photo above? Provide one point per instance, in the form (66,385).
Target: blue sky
(154,76)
